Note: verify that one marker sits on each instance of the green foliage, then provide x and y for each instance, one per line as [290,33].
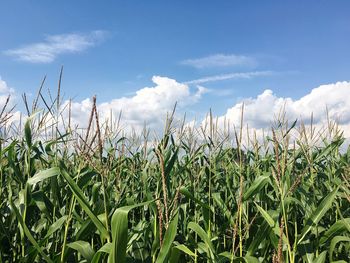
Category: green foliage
[184,199]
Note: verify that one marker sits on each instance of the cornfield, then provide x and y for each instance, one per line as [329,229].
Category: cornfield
[190,195]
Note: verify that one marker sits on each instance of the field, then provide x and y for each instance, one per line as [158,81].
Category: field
[189,195]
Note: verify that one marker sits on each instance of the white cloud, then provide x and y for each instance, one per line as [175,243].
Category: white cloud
[242,75]
[5,91]
[8,115]
[149,105]
[221,60]
[259,112]
[4,88]
[55,45]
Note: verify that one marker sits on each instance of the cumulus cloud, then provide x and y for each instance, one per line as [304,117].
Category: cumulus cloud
[259,112]
[8,115]
[149,105]
[242,75]
[5,91]
[221,60]
[55,45]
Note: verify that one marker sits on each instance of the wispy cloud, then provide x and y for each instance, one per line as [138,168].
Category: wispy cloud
[55,45]
[221,60]
[242,75]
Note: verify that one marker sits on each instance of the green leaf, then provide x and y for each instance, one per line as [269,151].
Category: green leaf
[250,259]
[120,233]
[28,132]
[306,250]
[258,184]
[234,259]
[42,175]
[328,149]
[203,235]
[337,228]
[44,204]
[321,257]
[217,198]
[316,216]
[84,248]
[185,250]
[185,192]
[168,240]
[334,242]
[27,232]
[106,248]
[174,255]
[259,237]
[27,129]
[266,216]
[170,163]
[79,195]
[55,226]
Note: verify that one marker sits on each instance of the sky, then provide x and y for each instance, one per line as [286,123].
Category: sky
[143,56]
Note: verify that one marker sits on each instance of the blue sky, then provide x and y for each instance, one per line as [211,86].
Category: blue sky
[289,47]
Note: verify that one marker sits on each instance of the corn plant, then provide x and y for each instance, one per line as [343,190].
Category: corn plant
[193,195]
